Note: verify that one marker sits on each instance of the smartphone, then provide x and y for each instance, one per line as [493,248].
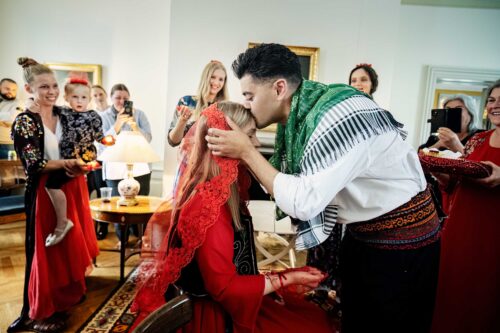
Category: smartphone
[128,105]
[450,118]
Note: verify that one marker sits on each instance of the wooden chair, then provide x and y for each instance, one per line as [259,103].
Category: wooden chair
[169,317]
[262,212]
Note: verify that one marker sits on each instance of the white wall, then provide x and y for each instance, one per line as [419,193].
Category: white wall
[438,36]
[347,33]
[159,48]
[130,39]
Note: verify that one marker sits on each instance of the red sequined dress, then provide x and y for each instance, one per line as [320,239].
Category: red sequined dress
[468,295]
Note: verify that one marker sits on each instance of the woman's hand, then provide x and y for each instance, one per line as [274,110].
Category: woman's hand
[494,179]
[449,140]
[32,105]
[120,120]
[133,125]
[184,113]
[74,167]
[310,277]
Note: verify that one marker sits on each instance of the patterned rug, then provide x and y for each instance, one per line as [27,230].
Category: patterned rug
[114,314]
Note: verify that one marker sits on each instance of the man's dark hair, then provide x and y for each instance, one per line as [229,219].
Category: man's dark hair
[267,62]
[7,80]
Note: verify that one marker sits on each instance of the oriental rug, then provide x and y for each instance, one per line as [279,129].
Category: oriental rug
[114,314]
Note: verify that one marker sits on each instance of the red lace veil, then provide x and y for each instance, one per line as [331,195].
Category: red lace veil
[164,259]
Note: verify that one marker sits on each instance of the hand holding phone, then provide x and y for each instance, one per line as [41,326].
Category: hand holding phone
[128,108]
[449,118]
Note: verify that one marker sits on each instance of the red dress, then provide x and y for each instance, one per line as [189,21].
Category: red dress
[468,295]
[57,279]
[241,296]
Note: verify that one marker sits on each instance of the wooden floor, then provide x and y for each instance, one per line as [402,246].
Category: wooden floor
[100,283]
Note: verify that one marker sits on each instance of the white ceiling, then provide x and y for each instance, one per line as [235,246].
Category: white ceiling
[492,4]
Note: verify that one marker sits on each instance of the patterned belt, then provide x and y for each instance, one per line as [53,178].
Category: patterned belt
[410,226]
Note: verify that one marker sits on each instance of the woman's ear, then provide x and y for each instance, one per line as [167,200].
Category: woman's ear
[28,89]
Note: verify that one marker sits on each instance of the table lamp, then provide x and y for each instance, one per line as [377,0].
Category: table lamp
[130,147]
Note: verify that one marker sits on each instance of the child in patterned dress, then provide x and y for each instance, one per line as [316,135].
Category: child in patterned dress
[83,128]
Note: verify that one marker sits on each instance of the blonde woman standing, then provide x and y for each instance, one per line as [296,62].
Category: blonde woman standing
[212,88]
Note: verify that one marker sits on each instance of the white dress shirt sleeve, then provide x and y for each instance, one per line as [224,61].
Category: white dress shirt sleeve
[305,196]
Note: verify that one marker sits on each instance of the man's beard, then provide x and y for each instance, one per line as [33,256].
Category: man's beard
[7,98]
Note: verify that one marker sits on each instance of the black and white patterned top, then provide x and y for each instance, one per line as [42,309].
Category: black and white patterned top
[80,131]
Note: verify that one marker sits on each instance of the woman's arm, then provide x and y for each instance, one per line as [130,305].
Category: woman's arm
[27,136]
[494,179]
[181,118]
[73,167]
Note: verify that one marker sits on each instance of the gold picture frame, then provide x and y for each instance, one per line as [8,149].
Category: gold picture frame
[91,72]
[441,94]
[308,58]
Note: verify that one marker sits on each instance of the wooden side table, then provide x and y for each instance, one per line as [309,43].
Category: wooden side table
[111,212]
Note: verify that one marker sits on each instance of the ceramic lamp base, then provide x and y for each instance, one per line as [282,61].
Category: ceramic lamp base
[128,189]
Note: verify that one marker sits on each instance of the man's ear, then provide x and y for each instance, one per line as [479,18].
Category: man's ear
[28,89]
[281,88]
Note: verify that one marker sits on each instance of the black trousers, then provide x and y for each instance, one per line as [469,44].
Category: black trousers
[387,290]
[95,182]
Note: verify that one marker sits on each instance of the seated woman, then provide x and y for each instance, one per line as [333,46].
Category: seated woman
[209,250]
[468,289]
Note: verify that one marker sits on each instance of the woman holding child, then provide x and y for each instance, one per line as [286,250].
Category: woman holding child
[55,275]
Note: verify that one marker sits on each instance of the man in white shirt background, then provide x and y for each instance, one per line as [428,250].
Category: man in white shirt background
[343,161]
[9,109]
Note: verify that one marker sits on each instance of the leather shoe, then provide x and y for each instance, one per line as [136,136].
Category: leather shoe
[102,233]
[21,324]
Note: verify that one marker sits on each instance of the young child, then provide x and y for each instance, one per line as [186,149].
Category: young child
[82,129]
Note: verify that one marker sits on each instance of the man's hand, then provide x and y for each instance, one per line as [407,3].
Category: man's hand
[310,278]
[232,144]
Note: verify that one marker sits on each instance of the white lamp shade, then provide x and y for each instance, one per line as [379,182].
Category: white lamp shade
[130,147]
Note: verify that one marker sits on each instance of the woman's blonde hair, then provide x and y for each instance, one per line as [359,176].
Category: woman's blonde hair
[202,167]
[204,87]
[31,68]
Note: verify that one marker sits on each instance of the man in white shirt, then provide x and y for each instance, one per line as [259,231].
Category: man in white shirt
[343,161]
[9,109]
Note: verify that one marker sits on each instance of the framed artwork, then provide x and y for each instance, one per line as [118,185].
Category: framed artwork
[440,95]
[62,71]
[308,58]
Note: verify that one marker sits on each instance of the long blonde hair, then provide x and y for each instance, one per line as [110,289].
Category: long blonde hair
[204,87]
[202,167]
[31,68]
